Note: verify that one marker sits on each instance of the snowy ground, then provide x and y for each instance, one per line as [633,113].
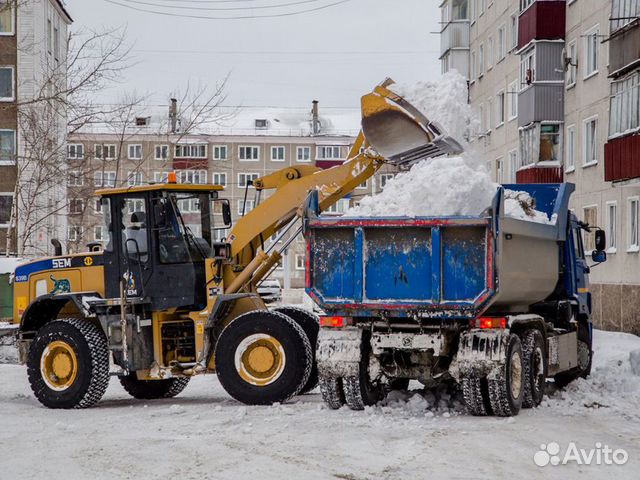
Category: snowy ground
[205,434]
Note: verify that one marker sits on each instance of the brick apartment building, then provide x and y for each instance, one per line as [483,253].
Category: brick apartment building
[556,85]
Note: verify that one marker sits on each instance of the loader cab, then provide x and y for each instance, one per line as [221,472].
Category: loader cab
[159,238]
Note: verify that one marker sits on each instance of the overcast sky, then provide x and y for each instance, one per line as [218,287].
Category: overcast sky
[333,55]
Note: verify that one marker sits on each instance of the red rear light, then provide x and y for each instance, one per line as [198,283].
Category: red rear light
[491,322]
[335,321]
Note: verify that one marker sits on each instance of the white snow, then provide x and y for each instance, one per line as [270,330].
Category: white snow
[203,433]
[9,264]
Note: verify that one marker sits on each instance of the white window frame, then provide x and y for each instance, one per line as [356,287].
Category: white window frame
[481,60]
[384,178]
[276,149]
[75,202]
[221,175]
[241,203]
[527,62]
[76,147]
[77,176]
[248,176]
[105,146]
[10,161]
[500,108]
[364,185]
[198,176]
[612,225]
[303,149]
[132,148]
[242,151]
[586,162]
[571,149]
[512,100]
[489,52]
[97,205]
[7,194]
[135,178]
[162,149]
[591,35]
[513,165]
[13,84]
[502,42]
[160,177]
[13,23]
[333,156]
[474,67]
[218,149]
[192,150]
[299,262]
[78,233]
[572,68]
[633,245]
[513,32]
[101,237]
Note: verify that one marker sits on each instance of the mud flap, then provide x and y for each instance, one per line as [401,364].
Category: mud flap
[338,352]
[481,353]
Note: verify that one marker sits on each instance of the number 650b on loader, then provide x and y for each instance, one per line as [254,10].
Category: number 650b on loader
[164,301]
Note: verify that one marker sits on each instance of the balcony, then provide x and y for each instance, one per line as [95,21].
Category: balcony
[624,48]
[543,20]
[454,35]
[540,174]
[621,158]
[541,102]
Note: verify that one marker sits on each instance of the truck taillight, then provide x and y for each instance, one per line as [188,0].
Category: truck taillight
[335,321]
[491,322]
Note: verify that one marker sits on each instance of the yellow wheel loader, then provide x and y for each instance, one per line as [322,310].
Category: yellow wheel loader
[164,301]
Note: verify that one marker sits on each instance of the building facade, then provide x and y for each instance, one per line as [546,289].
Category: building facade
[570,73]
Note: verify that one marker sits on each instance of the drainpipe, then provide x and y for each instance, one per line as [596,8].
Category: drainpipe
[173,115]
[315,122]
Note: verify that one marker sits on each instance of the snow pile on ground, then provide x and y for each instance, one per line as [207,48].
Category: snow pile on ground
[441,401]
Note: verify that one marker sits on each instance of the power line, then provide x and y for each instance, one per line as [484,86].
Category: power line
[259,7]
[242,17]
[283,52]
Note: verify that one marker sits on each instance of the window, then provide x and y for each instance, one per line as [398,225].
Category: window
[384,178]
[134,178]
[98,233]
[245,179]
[489,111]
[502,42]
[483,127]
[527,67]
[524,4]
[540,143]
[500,170]
[220,152]
[6,202]
[590,214]
[339,207]
[513,165]
[49,36]
[105,152]
[612,214]
[591,40]
[142,121]
[7,93]
[194,177]
[481,61]
[245,207]
[572,66]
[590,156]
[513,99]
[135,152]
[97,206]
[135,205]
[571,149]
[299,262]
[161,152]
[513,31]
[219,179]
[75,179]
[490,48]
[481,6]
[191,151]
[277,154]
[364,185]
[624,111]
[249,153]
[303,154]
[56,43]
[500,109]
[328,152]
[261,123]
[105,179]
[7,147]
[75,151]
[474,67]
[76,206]
[160,177]
[623,13]
[550,143]
[74,233]
[633,237]
[6,18]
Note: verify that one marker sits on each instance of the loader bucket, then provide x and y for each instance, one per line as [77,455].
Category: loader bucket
[400,132]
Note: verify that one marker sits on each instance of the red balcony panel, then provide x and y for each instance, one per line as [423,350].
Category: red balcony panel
[324,164]
[190,164]
[540,175]
[622,158]
[543,20]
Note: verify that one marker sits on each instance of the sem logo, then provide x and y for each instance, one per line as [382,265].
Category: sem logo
[600,455]
[61,263]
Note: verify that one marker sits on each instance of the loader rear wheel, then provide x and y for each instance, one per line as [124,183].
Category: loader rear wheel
[68,364]
[534,368]
[359,390]
[153,389]
[332,392]
[263,357]
[475,392]
[506,389]
[310,323]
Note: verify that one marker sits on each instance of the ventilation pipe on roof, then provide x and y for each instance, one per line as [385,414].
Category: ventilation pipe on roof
[173,115]
[315,120]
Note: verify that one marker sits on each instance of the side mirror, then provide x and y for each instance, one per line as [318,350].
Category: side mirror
[222,207]
[600,240]
[599,256]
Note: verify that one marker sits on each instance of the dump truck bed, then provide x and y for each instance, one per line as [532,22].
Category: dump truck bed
[448,267]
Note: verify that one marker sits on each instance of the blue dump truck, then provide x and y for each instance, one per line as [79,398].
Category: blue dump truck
[493,305]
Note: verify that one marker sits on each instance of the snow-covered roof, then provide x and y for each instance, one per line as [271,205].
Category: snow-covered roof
[9,264]
[244,121]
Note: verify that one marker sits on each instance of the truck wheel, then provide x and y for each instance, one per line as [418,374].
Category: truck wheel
[153,389]
[310,323]
[68,364]
[263,357]
[476,395]
[507,389]
[332,392]
[534,363]
[359,390]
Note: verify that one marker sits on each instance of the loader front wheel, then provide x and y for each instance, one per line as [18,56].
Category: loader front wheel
[310,323]
[68,364]
[263,357]
[153,389]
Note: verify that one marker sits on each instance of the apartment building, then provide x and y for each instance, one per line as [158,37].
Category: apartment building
[252,143]
[572,70]
[33,50]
